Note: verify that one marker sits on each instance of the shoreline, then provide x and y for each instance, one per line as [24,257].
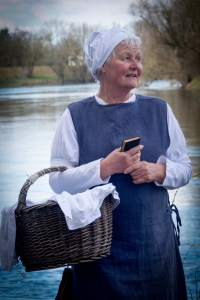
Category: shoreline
[35,82]
[194,85]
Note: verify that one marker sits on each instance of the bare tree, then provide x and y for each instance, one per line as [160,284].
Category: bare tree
[159,60]
[64,50]
[58,46]
[176,24]
[78,34]
[27,50]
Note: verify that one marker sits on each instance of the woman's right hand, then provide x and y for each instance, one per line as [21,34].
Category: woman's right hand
[118,162]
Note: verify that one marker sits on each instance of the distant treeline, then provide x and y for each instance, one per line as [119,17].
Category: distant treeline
[58,45]
[169,29]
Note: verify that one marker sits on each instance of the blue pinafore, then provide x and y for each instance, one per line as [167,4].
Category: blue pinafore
[145,262]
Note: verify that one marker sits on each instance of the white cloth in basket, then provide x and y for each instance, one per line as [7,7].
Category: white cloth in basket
[79,210]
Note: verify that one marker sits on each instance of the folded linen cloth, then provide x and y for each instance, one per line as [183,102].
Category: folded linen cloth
[80,210]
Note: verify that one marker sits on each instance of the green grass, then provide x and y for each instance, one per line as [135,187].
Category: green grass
[14,77]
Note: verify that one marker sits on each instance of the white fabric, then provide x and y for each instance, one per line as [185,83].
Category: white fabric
[79,210]
[82,209]
[7,238]
[99,45]
[65,151]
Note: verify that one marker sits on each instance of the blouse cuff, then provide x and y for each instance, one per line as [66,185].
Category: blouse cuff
[163,160]
[177,174]
[99,164]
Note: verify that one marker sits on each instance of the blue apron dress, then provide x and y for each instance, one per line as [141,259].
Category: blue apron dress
[145,262]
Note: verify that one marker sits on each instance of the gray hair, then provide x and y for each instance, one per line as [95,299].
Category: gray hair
[128,41]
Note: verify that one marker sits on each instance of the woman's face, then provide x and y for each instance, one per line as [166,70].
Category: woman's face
[124,68]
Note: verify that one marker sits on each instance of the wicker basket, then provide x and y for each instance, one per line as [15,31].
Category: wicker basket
[43,240]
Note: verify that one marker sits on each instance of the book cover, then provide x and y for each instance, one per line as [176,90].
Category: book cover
[130,143]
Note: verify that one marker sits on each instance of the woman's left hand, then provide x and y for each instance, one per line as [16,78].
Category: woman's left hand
[143,171]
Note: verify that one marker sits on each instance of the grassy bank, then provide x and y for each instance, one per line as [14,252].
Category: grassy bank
[194,85]
[42,75]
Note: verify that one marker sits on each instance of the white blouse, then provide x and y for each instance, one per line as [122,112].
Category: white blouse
[65,152]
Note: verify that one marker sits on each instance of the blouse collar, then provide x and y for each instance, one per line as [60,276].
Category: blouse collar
[102,102]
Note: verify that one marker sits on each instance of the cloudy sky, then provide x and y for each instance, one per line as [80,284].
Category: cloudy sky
[31,14]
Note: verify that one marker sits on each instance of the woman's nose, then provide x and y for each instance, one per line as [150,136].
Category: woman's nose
[134,64]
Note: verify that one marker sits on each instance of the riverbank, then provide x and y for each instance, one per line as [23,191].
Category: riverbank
[12,77]
[194,85]
[44,75]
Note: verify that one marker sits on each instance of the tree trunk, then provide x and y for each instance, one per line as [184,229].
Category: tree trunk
[30,70]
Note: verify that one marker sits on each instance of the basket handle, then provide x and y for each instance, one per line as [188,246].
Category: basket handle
[30,181]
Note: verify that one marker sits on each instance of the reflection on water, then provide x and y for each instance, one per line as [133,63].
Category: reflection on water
[28,118]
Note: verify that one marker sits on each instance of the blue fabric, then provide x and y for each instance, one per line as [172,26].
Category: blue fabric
[145,261]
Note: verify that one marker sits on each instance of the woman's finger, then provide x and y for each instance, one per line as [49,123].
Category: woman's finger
[134,150]
[135,166]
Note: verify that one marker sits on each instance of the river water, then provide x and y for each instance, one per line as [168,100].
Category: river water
[28,120]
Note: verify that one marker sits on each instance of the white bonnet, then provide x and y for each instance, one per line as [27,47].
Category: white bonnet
[99,45]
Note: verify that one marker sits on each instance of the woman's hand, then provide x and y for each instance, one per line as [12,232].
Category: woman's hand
[143,171]
[118,162]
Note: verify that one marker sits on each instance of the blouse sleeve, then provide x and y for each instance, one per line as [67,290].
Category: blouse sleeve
[178,168]
[65,152]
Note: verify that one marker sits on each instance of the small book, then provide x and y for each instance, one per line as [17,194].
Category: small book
[130,143]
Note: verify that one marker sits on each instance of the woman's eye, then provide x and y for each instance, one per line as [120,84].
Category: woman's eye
[127,57]
[138,59]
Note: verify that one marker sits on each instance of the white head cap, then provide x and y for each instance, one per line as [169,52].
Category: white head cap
[99,45]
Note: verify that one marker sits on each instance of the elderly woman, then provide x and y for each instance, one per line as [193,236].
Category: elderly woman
[145,261]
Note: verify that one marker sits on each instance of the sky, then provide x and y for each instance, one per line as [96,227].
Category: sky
[30,15]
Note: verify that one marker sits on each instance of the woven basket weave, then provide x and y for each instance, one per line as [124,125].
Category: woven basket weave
[43,240]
